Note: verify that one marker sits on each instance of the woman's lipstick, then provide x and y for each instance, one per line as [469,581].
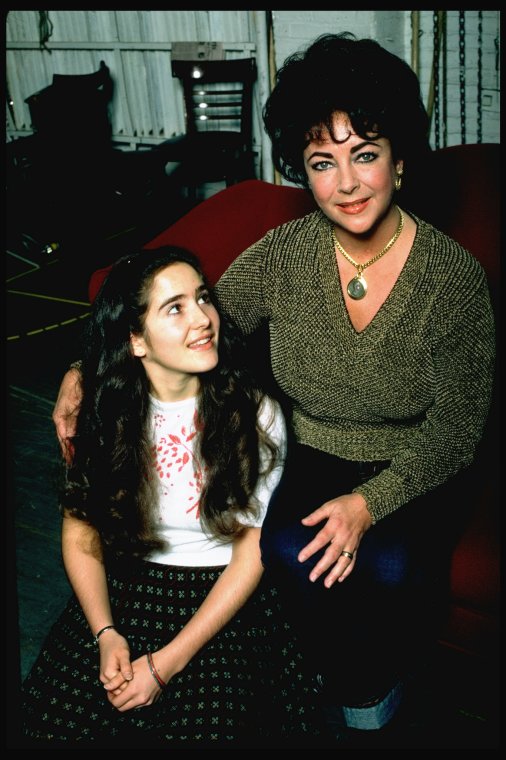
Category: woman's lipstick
[353,208]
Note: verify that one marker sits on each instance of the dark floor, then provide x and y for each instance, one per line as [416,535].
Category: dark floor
[453,705]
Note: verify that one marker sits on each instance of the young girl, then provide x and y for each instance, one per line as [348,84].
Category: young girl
[169,638]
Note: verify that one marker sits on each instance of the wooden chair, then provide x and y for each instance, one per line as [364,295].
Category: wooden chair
[218,141]
[74,110]
[69,185]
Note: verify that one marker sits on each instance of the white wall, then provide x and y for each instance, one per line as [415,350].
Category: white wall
[294,29]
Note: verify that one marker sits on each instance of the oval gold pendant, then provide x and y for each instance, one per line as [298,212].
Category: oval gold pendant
[357,288]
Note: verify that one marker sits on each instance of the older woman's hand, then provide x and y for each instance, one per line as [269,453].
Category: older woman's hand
[347,519]
[65,411]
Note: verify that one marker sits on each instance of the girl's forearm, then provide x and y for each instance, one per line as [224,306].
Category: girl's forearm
[232,589]
[83,563]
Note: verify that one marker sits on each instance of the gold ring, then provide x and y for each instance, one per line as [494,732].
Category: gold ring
[347,554]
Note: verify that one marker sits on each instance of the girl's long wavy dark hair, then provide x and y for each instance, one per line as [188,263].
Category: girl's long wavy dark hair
[111,483]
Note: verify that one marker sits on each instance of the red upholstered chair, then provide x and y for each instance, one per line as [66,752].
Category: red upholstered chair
[218,229]
[461,197]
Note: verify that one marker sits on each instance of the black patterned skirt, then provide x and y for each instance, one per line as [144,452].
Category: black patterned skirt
[246,687]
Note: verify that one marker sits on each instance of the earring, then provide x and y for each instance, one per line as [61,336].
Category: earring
[398,180]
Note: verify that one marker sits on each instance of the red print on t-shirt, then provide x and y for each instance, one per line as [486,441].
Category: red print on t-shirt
[173,455]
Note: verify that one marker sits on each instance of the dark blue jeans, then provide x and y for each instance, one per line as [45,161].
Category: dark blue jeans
[376,627]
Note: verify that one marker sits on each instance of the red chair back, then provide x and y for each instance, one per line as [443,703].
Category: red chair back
[225,224]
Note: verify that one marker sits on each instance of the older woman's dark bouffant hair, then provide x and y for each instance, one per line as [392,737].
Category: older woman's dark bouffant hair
[108,483]
[379,92]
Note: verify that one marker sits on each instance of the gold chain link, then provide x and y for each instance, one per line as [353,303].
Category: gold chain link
[360,267]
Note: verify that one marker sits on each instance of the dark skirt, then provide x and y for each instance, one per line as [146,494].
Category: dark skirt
[246,687]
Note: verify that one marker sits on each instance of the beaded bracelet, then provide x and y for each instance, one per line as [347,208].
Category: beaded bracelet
[159,680]
[103,630]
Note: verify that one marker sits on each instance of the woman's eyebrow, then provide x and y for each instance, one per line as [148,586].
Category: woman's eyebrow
[171,299]
[363,145]
[181,296]
[323,154]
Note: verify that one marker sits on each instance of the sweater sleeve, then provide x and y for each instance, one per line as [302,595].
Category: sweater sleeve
[463,354]
[240,289]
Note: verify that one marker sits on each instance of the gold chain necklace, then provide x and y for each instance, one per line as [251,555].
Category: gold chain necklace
[357,287]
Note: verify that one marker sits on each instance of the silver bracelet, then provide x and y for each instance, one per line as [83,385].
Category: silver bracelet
[103,630]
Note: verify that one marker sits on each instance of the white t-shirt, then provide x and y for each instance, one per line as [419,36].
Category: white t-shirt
[181,474]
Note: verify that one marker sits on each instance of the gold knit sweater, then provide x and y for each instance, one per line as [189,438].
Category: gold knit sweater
[413,387]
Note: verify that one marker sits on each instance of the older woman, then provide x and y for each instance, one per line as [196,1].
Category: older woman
[382,342]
